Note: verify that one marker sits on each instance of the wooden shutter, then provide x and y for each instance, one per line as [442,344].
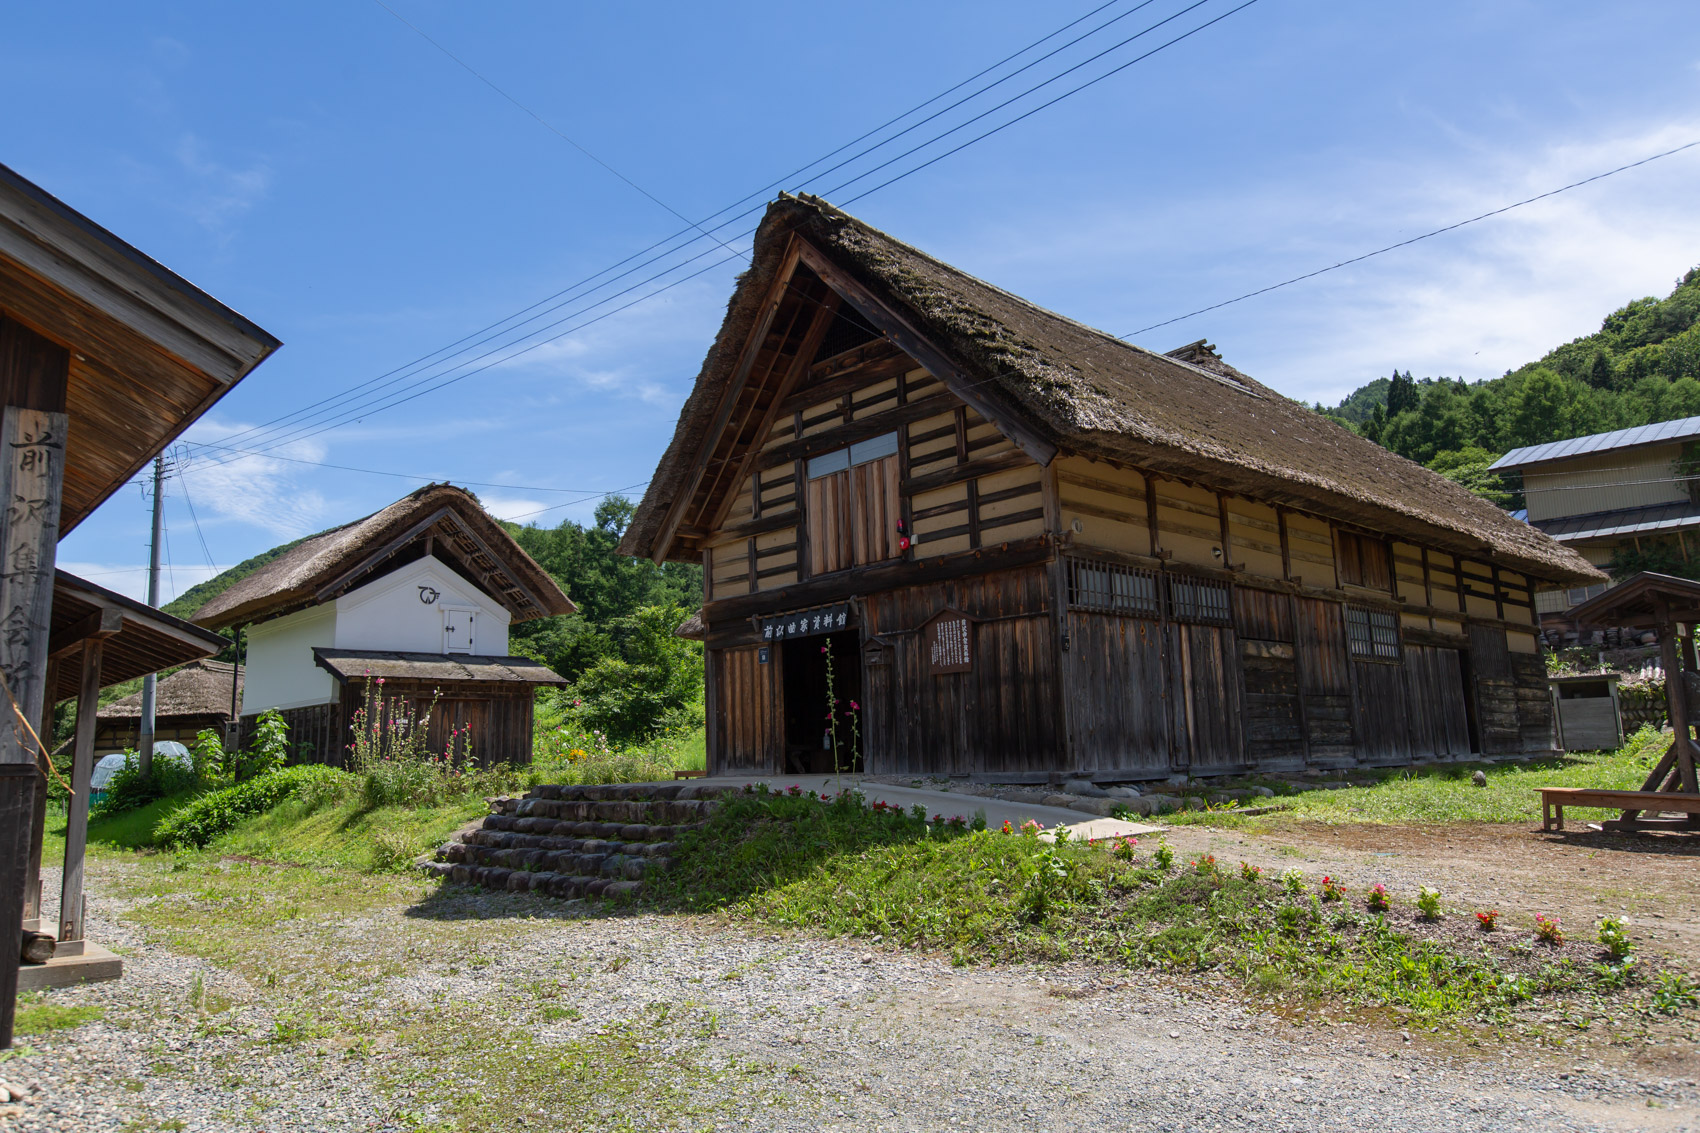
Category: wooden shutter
[1363,561]
[829,523]
[875,511]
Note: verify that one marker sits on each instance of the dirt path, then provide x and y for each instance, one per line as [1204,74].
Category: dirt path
[1579,875]
[472,1010]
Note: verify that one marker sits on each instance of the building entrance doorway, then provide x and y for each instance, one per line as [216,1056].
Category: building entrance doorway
[819,711]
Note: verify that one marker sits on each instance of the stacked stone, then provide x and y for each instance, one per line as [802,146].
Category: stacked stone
[577,841]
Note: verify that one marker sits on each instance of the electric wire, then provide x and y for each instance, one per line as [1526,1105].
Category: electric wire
[758,194]
[324,408]
[422,387]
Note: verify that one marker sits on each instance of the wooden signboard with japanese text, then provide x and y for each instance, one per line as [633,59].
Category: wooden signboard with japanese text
[950,643]
[806,623]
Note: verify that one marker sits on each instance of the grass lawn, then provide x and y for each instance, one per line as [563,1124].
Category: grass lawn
[348,833]
[1446,794]
[841,869]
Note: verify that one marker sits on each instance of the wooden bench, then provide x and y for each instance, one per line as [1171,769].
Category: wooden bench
[1555,799]
[689,774]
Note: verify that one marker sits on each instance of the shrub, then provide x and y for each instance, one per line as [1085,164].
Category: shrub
[216,812]
[1293,880]
[129,788]
[1614,936]
[1547,931]
[1376,900]
[654,682]
[271,745]
[212,766]
[1428,900]
[1163,856]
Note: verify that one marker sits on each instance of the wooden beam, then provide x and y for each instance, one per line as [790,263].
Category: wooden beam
[101,623]
[77,807]
[882,576]
[728,399]
[901,331]
[831,440]
[799,368]
[1286,545]
[985,466]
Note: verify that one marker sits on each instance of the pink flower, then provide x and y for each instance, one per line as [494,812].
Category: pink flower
[854,707]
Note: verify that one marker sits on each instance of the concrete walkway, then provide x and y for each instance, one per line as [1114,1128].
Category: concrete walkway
[949,803]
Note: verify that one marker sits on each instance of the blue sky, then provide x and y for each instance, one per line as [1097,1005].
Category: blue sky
[331,174]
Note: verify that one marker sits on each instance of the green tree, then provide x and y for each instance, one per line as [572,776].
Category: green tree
[652,681]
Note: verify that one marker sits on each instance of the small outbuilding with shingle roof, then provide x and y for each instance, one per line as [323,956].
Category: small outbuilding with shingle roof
[948,531]
[198,696]
[430,584]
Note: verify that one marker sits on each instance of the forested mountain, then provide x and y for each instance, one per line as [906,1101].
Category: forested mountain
[1642,365]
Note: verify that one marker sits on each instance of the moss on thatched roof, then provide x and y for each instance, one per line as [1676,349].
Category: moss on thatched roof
[200,688]
[1190,416]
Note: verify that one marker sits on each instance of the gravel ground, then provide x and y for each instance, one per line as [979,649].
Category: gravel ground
[726,1028]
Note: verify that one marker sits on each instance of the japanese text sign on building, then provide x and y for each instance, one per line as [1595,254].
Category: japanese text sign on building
[805,623]
[950,642]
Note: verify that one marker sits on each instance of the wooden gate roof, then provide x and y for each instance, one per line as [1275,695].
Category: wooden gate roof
[147,641]
[464,535]
[1052,383]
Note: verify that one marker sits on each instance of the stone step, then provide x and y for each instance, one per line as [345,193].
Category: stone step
[651,812]
[521,881]
[586,828]
[614,864]
[577,841]
[504,840]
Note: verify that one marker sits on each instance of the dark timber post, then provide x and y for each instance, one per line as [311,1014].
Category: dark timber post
[32,470]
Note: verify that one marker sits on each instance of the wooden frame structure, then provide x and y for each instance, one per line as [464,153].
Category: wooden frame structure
[1663,604]
[105,358]
[1164,567]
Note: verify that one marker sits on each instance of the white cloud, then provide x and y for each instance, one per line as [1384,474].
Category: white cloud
[518,509]
[222,193]
[260,490]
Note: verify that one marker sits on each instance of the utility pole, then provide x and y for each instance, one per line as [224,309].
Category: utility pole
[144,743]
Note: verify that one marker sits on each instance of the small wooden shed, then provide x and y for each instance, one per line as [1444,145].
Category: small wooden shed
[196,697]
[1586,712]
[421,594]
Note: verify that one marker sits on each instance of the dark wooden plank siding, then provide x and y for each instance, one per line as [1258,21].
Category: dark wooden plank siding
[1113,679]
[1002,716]
[749,721]
[1274,733]
[1434,696]
[1325,679]
[1534,702]
[1381,720]
[1204,698]
[1496,691]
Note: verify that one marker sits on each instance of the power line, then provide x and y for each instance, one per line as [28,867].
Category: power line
[444,379]
[379,472]
[1414,239]
[324,406]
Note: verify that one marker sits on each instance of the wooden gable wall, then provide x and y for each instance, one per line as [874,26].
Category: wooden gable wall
[957,483]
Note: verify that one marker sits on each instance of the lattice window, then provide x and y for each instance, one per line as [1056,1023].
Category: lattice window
[1112,588]
[1371,634]
[1202,600]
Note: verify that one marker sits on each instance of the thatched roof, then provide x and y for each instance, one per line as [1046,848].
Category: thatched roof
[1093,394]
[465,535]
[200,688]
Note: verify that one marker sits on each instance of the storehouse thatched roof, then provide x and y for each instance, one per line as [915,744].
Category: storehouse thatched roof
[1088,392]
[464,536]
[200,688]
